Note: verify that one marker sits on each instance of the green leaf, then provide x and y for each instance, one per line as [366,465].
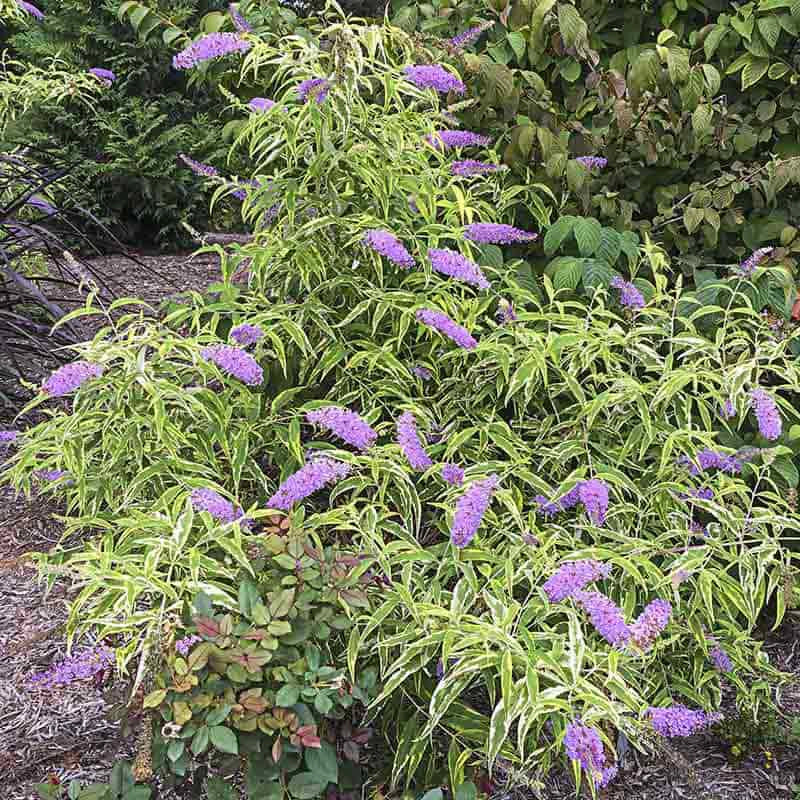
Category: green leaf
[306,785]
[466,791]
[572,28]
[692,217]
[433,794]
[323,763]
[557,233]
[518,44]
[587,234]
[139,793]
[712,41]
[224,739]
[498,732]
[596,274]
[702,118]
[785,467]
[287,696]
[220,789]
[570,69]
[753,71]
[610,246]
[121,777]
[248,596]
[200,740]
[770,29]
[566,273]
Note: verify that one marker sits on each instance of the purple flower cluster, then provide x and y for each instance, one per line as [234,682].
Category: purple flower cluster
[594,496]
[442,323]
[210,46]
[650,623]
[313,88]
[497,233]
[727,409]
[748,266]
[239,22]
[721,659]
[583,744]
[68,378]
[41,205]
[454,265]
[204,170]
[316,474]
[454,138]
[434,76]
[106,76]
[572,576]
[767,414]
[711,459]
[470,508]
[678,720]
[423,373]
[345,424]
[410,443]
[388,245]
[506,313]
[453,474]
[234,361]
[31,9]
[215,504]
[79,667]
[605,615]
[630,296]
[261,104]
[183,646]
[472,167]
[246,334]
[8,437]
[592,162]
[470,35]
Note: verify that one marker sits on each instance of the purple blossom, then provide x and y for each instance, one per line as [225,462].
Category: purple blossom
[106,76]
[606,776]
[583,744]
[472,167]
[442,323]
[470,508]
[183,646]
[605,616]
[728,409]
[698,528]
[312,477]
[79,667]
[650,623]
[434,76]
[592,162]
[767,414]
[711,459]
[506,313]
[630,296]
[594,496]
[721,659]
[261,104]
[454,138]
[497,233]
[680,576]
[234,361]
[410,443]
[8,437]
[316,88]
[41,205]
[246,334]
[345,424]
[453,474]
[677,720]
[423,373]
[748,266]
[31,9]
[205,170]
[239,22]
[210,46]
[453,264]
[388,245]
[470,35]
[50,475]
[572,576]
[68,378]
[548,507]
[215,504]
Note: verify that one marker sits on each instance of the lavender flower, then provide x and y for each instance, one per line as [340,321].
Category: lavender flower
[410,443]
[605,616]
[710,459]
[453,138]
[183,646]
[8,437]
[310,478]
[572,576]
[592,162]
[31,9]
[106,76]
[472,167]
[680,576]
[41,205]
[345,424]
[721,659]
[630,296]
[678,720]
[442,323]
[505,313]
[650,623]
[313,88]
[453,264]
[215,504]
[51,475]
[748,266]
[470,508]
[79,667]
[496,233]
[594,496]
[434,76]
[470,35]
[205,170]
[261,104]
[453,474]
[423,373]
[246,334]
[68,378]
[239,22]
[548,507]
[234,361]
[388,245]
[210,46]
[767,414]
[728,409]
[583,744]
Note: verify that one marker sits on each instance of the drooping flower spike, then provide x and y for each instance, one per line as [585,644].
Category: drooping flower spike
[31,9]
[389,246]
[234,361]
[457,266]
[592,162]
[68,378]
[678,720]
[767,414]
[470,508]
[630,296]
[443,139]
[209,47]
[246,334]
[345,424]
[439,321]
[410,442]
[105,76]
[312,477]
[497,233]
[217,506]
[434,76]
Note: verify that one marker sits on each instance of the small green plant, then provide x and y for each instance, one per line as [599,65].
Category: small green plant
[121,786]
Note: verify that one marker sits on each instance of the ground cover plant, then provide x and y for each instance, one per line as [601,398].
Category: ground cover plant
[407,466]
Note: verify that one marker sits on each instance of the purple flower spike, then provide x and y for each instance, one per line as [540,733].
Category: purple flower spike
[767,414]
[68,378]
[727,409]
[434,76]
[748,266]
[721,659]
[442,323]
[573,576]
[308,479]
[470,35]
[8,437]
[678,720]
[183,646]
[453,474]
[234,361]
[470,508]
[215,504]
[239,22]
[51,475]
[472,167]
[345,424]
[106,76]
[313,89]
[423,373]
[389,246]
[76,668]
[496,233]
[246,334]
[592,162]
[209,47]
[630,296]
[261,104]
[650,623]
[441,140]
[204,170]
[41,205]
[594,496]
[605,616]
[454,265]
[506,313]
[31,9]
[410,443]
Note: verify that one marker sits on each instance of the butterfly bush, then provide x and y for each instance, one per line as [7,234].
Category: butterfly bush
[50,475]
[316,474]
[106,76]
[260,104]
[423,373]
[630,296]
[452,330]
[31,9]
[454,138]
[594,496]
[470,35]
[41,205]
[678,720]
[457,266]
[410,443]
[388,245]
[210,47]
[592,162]
[434,76]
[217,506]
[453,474]
[767,414]
[235,362]
[74,669]
[605,615]
[573,576]
[727,409]
[246,334]
[470,508]
[239,22]
[496,233]
[650,624]
[70,377]
[721,659]
[313,89]
[506,313]
[183,646]
[204,170]
[345,424]
[748,266]
[8,437]
[583,744]
[707,459]
[472,167]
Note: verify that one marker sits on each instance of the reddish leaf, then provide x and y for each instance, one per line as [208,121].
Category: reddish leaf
[796,310]
[277,749]
[206,626]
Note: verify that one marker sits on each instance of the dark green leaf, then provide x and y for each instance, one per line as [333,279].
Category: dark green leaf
[224,739]
[322,762]
[306,785]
